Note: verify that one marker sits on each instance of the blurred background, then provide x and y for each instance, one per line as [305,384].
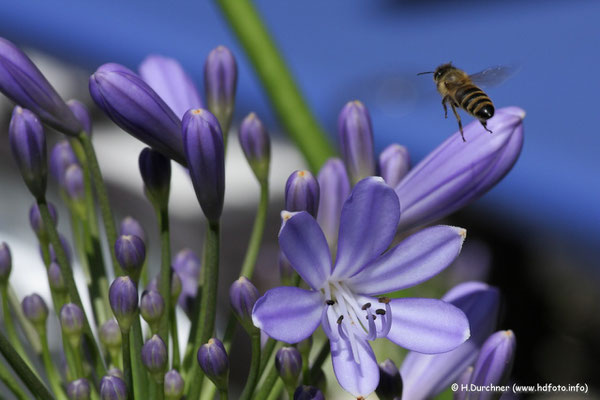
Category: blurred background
[539,229]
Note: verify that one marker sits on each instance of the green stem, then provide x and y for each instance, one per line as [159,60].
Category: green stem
[257,232]
[140,377]
[70,283]
[126,354]
[223,394]
[160,390]
[290,393]
[276,390]
[53,377]
[175,338]
[318,363]
[267,384]
[208,304]
[27,376]
[277,80]
[254,367]
[266,354]
[8,380]
[164,281]
[10,326]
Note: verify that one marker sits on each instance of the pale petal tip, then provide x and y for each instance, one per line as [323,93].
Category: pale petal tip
[285,215]
[467,334]
[462,232]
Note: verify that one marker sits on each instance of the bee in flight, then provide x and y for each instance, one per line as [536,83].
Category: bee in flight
[460,90]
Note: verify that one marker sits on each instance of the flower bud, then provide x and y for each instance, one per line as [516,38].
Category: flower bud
[123,298]
[495,361]
[112,388]
[394,163]
[23,83]
[155,357]
[115,372]
[36,222]
[61,157]
[65,246]
[308,393]
[187,265]
[220,81]
[176,286]
[110,334]
[152,308]
[288,362]
[73,183]
[213,360]
[82,113]
[356,140]
[131,253]
[242,296]
[169,80]
[130,226]
[5,263]
[79,389]
[137,109]
[36,310]
[457,173]
[204,151]
[71,321]
[334,186]
[174,385]
[156,174]
[302,193]
[55,278]
[28,145]
[390,381]
[256,145]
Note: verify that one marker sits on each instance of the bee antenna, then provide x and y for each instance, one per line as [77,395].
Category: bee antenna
[428,72]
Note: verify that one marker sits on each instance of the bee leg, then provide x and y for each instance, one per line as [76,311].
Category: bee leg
[444,100]
[484,123]
[459,122]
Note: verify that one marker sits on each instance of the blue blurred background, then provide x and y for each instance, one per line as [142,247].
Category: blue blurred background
[371,50]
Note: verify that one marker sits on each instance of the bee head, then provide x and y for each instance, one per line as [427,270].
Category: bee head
[441,71]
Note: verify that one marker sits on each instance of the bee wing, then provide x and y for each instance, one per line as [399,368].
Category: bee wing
[493,76]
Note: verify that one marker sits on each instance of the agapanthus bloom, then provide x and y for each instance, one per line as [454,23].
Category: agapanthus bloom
[342,298]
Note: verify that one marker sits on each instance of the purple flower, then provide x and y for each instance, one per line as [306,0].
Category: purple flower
[457,172]
[61,157]
[82,114]
[112,388]
[356,140]
[205,154]
[137,109]
[55,278]
[156,174]
[425,375]
[341,296]
[187,265]
[5,263]
[308,393]
[220,82]
[79,389]
[152,307]
[242,296]
[110,334]
[256,145]
[22,82]
[66,248]
[213,360]
[35,220]
[334,187]
[130,251]
[302,193]
[35,309]
[394,163]
[28,145]
[155,357]
[288,362]
[169,80]
[71,320]
[131,226]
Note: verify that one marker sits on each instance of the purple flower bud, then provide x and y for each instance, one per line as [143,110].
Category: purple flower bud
[288,362]
[28,145]
[390,381]
[65,246]
[130,226]
[356,140]
[242,296]
[457,172]
[334,187]
[169,80]
[112,388]
[22,82]
[155,357]
[35,220]
[256,145]
[204,151]
[61,157]
[213,360]
[152,308]
[220,81]
[131,253]
[286,271]
[79,389]
[495,361]
[82,113]
[115,372]
[394,163]
[55,278]
[156,174]
[302,193]
[174,385]
[187,265]
[308,393]
[137,109]
[73,182]
[35,309]
[5,263]
[71,320]
[123,298]
[110,334]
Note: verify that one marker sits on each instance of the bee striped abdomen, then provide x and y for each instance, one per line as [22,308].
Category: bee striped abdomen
[475,102]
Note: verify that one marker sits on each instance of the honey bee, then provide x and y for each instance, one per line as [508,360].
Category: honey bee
[460,90]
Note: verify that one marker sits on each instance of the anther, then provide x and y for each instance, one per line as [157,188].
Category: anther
[365,306]
[374,317]
[380,311]
[339,320]
[384,300]
[329,302]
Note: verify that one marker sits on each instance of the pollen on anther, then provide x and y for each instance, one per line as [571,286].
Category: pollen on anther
[374,317]
[384,300]
[329,302]
[365,306]
[339,320]
[380,311]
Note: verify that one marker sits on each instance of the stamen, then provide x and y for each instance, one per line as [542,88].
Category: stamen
[384,300]
[387,324]
[380,311]
[329,302]
[340,319]
[365,306]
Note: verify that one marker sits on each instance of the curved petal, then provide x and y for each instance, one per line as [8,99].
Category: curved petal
[288,314]
[427,325]
[357,379]
[303,243]
[367,225]
[416,259]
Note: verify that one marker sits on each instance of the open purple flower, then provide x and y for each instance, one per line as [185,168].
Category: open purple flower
[342,295]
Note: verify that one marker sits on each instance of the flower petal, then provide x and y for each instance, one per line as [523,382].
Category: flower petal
[288,314]
[367,225]
[357,379]
[427,325]
[303,243]
[415,260]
